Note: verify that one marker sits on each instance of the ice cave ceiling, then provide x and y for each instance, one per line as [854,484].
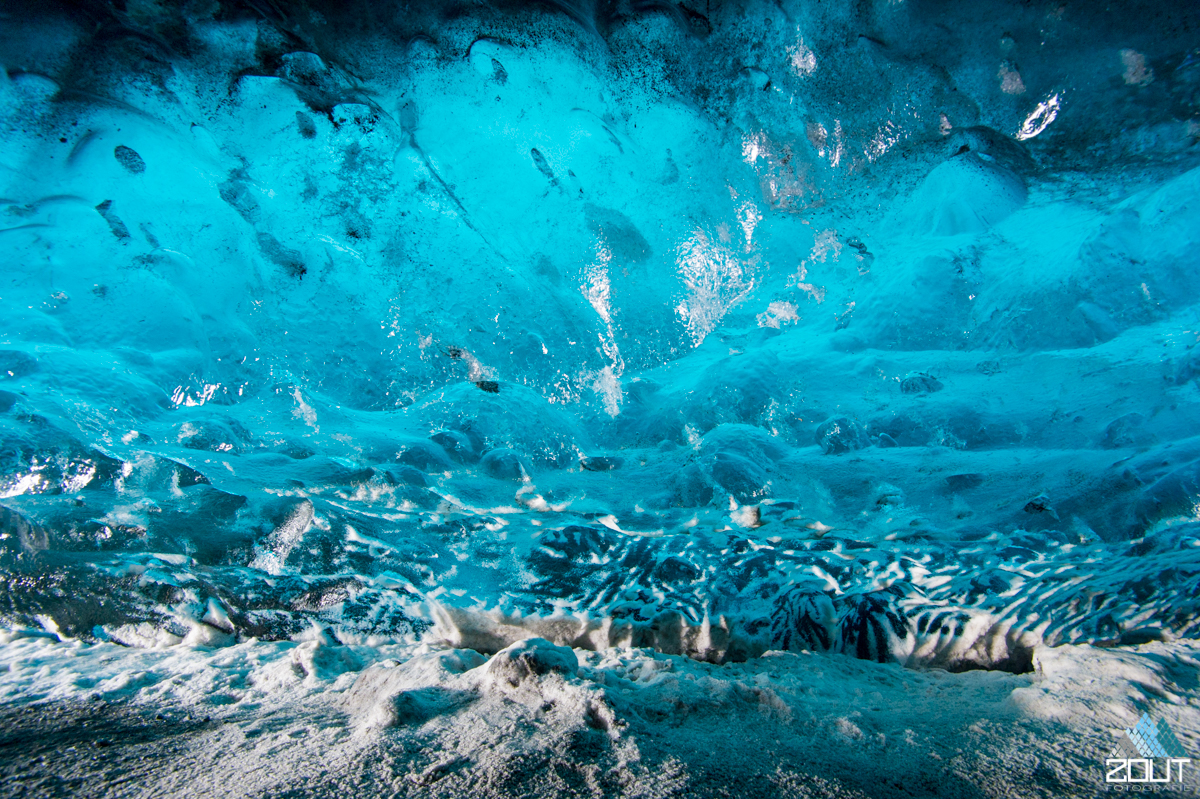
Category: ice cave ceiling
[711,327]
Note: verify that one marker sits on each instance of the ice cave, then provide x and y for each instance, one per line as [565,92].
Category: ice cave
[659,399]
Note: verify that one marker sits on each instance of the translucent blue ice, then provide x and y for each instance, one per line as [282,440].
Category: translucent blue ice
[709,330]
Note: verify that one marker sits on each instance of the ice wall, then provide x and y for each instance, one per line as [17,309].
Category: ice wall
[712,328]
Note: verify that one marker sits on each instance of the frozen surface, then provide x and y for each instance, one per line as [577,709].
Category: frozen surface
[320,719]
[749,342]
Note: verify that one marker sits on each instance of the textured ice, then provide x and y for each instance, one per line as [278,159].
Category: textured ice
[417,370]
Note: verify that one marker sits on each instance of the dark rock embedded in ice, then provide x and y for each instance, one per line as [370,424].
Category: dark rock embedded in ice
[600,463]
[920,383]
[118,227]
[238,193]
[290,259]
[305,125]
[841,434]
[1041,505]
[129,158]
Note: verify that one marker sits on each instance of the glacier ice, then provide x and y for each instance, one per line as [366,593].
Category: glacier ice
[482,356]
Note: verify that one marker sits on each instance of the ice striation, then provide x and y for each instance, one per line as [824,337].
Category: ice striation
[470,364]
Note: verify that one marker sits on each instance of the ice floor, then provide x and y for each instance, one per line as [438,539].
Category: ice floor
[600,399]
[316,718]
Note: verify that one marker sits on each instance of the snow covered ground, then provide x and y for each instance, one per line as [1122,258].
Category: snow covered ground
[322,719]
[816,386]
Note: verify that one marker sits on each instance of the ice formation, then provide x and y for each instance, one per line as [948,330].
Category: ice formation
[533,386]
